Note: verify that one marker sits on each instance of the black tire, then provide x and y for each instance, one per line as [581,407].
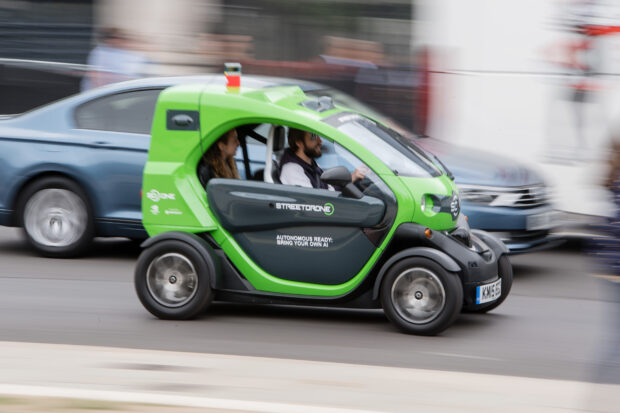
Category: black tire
[437,293]
[505,273]
[157,288]
[56,216]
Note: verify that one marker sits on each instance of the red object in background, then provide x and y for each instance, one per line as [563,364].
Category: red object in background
[422,92]
[597,30]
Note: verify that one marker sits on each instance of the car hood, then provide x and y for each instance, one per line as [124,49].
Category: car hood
[475,167]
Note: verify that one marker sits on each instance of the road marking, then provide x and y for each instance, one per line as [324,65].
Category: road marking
[266,384]
[168,399]
[464,356]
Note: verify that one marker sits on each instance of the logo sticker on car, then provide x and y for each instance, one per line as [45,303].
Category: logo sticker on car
[454,206]
[328,208]
[155,196]
[173,211]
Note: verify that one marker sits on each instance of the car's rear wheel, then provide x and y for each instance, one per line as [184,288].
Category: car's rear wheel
[421,297]
[172,280]
[56,217]
[505,273]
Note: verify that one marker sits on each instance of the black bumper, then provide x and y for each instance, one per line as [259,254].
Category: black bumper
[475,253]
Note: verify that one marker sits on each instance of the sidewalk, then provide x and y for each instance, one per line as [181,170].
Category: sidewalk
[42,377]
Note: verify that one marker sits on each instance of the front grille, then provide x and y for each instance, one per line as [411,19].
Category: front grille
[512,197]
[530,197]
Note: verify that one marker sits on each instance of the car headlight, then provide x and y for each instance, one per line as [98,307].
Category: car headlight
[432,204]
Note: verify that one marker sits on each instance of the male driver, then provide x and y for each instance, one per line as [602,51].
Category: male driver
[298,161]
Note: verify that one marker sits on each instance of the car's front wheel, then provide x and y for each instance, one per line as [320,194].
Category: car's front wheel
[421,297]
[172,280]
[56,217]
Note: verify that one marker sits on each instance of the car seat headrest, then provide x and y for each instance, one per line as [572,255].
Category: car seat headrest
[279,137]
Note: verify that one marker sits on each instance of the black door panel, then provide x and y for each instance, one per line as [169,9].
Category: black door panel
[319,254]
[242,206]
[297,234]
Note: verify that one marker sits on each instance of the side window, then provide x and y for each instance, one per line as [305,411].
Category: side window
[122,112]
[334,154]
[256,156]
[246,148]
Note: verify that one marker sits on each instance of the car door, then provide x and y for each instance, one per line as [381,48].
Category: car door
[117,127]
[301,234]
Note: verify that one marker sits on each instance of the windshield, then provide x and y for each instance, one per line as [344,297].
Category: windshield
[397,152]
[350,102]
[347,101]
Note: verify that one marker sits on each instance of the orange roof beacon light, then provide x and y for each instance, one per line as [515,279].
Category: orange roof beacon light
[233,74]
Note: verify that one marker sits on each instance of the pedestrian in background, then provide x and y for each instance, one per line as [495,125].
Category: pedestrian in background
[606,253]
[113,60]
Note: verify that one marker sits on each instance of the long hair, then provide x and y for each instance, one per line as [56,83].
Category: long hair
[222,168]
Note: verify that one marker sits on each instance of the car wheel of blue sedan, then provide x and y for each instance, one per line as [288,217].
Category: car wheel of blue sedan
[56,217]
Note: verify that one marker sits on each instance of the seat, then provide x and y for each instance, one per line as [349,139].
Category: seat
[275,144]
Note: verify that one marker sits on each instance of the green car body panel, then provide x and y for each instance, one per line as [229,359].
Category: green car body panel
[175,200]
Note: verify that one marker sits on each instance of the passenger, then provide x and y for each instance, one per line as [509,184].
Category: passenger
[298,165]
[219,160]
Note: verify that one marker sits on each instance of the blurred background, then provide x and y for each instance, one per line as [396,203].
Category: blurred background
[533,80]
[335,42]
[537,80]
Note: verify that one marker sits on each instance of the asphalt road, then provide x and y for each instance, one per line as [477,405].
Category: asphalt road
[557,323]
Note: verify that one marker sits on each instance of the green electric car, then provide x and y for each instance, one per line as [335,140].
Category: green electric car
[394,240]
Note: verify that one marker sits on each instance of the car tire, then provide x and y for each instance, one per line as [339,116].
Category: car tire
[420,297]
[505,273]
[57,217]
[172,280]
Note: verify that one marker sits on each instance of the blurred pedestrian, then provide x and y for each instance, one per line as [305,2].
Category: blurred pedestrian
[608,246]
[581,54]
[606,252]
[113,60]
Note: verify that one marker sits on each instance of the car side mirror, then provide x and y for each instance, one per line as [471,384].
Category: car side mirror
[340,177]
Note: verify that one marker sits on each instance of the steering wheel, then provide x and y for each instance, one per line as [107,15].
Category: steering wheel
[364,185]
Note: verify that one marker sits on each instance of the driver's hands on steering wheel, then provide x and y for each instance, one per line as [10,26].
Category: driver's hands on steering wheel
[359,173]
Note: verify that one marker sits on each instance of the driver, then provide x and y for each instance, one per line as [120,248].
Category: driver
[298,162]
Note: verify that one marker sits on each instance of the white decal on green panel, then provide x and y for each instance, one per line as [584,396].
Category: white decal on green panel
[173,211]
[327,208]
[155,196]
[307,241]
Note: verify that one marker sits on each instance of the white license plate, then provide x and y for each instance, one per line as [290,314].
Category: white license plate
[539,221]
[488,292]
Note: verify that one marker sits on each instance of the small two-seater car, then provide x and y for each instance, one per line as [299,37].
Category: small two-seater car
[396,240]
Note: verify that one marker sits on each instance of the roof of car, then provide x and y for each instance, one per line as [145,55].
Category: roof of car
[253,81]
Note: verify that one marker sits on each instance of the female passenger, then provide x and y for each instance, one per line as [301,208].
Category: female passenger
[219,161]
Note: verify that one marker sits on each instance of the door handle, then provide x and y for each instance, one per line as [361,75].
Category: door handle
[182,120]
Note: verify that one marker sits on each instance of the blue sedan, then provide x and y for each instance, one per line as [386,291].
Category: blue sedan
[72,170]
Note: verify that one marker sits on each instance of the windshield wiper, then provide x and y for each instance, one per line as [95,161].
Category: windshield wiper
[444,167]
